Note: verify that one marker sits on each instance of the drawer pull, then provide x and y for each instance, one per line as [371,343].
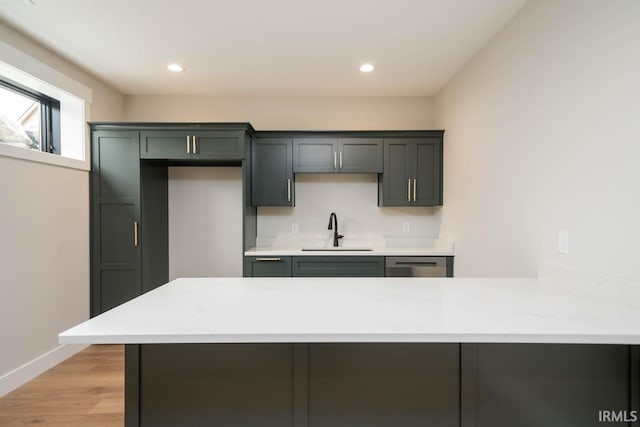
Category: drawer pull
[268,259]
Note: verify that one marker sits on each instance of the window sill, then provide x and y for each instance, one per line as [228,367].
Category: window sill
[42,157]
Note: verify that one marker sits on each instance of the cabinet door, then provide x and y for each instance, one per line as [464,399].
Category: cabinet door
[267,266]
[218,145]
[396,181]
[360,155]
[272,173]
[337,266]
[428,173]
[115,211]
[315,155]
[169,144]
[545,384]
[384,385]
[219,385]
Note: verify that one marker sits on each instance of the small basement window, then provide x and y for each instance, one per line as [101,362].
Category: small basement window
[43,112]
[29,119]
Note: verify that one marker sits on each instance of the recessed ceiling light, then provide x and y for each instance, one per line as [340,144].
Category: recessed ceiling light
[176,68]
[367,68]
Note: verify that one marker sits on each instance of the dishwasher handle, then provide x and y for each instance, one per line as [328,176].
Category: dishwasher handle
[416,267]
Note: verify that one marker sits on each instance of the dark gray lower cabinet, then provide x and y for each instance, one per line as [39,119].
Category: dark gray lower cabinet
[337,266]
[379,385]
[292,385]
[278,266]
[230,385]
[505,385]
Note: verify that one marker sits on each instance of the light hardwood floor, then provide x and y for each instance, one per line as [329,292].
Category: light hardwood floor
[84,390]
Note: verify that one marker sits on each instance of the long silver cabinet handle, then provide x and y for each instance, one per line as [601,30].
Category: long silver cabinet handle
[341,160]
[135,234]
[288,189]
[195,144]
[415,186]
[188,144]
[268,259]
[409,190]
[335,160]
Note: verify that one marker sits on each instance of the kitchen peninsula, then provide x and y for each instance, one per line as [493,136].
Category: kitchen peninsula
[374,351]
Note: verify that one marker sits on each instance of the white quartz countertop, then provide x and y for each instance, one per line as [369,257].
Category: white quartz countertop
[371,244]
[341,251]
[261,310]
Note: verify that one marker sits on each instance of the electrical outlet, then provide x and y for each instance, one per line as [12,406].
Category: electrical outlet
[294,227]
[406,227]
[563,242]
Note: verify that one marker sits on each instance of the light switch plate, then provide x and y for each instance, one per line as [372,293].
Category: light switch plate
[563,242]
[294,227]
[406,227]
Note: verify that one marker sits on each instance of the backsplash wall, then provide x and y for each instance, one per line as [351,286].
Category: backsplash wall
[354,198]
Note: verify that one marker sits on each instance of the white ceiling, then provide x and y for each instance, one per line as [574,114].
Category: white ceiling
[265,47]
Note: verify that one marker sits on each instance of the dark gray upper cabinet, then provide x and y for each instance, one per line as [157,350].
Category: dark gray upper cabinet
[342,155]
[315,155]
[271,172]
[412,172]
[192,144]
[360,155]
[115,219]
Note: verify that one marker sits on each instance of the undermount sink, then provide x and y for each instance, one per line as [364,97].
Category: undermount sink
[339,248]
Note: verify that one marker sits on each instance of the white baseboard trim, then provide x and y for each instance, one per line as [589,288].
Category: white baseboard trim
[25,373]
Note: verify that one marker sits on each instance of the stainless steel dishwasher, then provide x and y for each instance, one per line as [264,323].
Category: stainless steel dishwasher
[415,266]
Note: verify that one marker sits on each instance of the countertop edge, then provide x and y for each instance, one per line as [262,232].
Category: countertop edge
[347,252]
[461,338]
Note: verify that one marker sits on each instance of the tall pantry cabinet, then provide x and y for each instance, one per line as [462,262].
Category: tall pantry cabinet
[129,201]
[122,268]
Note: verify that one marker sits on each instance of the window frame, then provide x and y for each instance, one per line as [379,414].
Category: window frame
[49,115]
[75,99]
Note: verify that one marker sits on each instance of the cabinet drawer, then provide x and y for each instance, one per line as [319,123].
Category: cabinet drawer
[277,266]
[337,266]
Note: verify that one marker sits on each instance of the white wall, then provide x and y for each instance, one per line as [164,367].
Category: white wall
[288,113]
[205,222]
[353,197]
[44,242]
[541,136]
